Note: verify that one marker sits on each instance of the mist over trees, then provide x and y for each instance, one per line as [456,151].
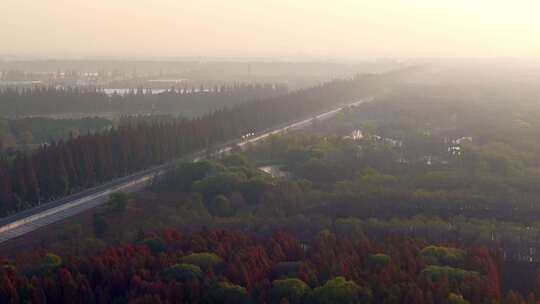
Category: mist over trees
[424,195]
[272,152]
[190,102]
[63,167]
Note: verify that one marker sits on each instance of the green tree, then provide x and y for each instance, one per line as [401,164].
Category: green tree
[379,261]
[235,160]
[227,293]
[183,272]
[254,188]
[436,255]
[204,260]
[455,299]
[100,225]
[339,290]
[49,262]
[155,244]
[195,204]
[220,206]
[350,228]
[186,174]
[118,202]
[222,183]
[291,289]
[436,273]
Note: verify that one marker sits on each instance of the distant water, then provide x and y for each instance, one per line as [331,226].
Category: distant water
[126,91]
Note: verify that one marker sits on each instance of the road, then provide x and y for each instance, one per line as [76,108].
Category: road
[29,220]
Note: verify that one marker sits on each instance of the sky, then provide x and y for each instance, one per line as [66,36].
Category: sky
[310,29]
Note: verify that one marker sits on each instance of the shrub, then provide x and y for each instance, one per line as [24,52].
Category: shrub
[339,290]
[436,255]
[183,272]
[291,289]
[204,260]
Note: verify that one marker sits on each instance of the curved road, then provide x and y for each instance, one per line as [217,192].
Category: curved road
[29,220]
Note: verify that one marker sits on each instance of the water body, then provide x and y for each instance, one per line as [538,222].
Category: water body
[124,91]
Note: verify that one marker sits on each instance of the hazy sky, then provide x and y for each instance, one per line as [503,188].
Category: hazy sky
[271,28]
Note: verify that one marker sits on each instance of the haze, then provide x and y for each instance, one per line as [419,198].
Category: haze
[270,28]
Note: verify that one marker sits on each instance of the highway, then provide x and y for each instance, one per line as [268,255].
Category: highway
[31,219]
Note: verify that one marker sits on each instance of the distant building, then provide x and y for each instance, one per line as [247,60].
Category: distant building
[455,148]
[391,141]
[460,140]
[355,135]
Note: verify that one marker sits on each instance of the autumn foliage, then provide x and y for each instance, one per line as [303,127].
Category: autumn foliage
[233,267]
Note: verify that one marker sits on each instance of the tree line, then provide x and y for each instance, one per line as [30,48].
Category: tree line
[49,100]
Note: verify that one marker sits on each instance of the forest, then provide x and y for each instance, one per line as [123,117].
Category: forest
[411,198]
[66,166]
[377,205]
[225,232]
[217,266]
